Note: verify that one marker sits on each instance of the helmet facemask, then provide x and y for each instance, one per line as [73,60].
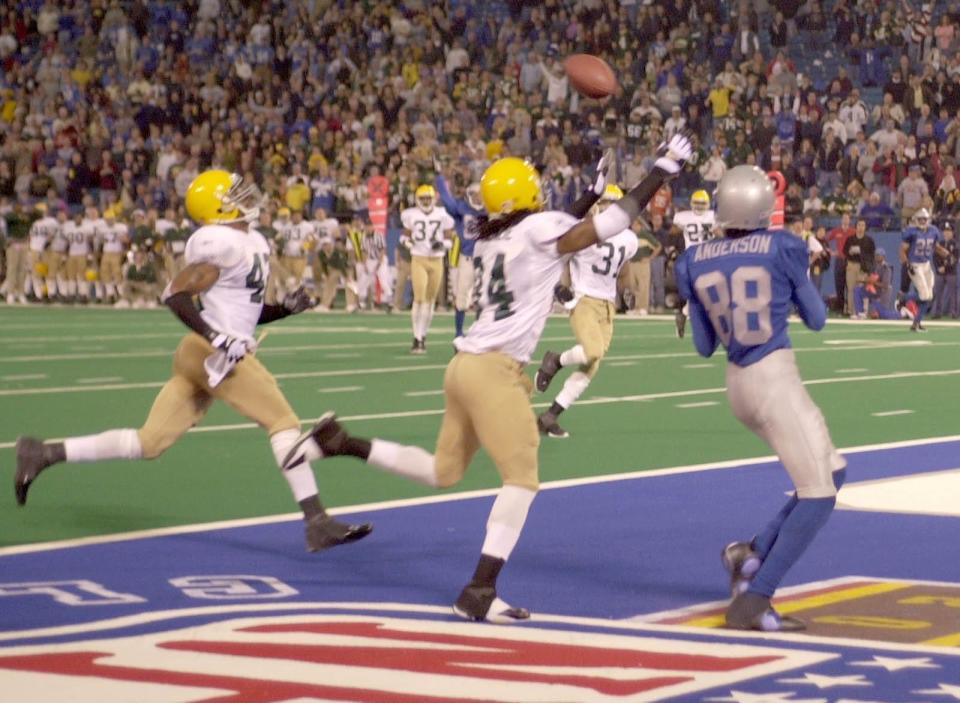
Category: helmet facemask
[473,196]
[245,199]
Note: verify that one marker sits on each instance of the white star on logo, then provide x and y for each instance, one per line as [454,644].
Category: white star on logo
[822,682]
[894,664]
[744,697]
[944,689]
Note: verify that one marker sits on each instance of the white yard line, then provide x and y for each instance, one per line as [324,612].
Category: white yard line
[24,377]
[417,394]
[340,389]
[891,413]
[99,380]
[849,370]
[704,404]
[698,366]
[581,403]
[448,497]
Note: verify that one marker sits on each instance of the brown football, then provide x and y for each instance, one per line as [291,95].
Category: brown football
[590,75]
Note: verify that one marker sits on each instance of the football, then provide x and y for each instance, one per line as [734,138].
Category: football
[590,75]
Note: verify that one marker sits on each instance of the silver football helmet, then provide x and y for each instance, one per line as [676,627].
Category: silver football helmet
[744,199]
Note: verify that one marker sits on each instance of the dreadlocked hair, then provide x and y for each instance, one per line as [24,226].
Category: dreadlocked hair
[487,227]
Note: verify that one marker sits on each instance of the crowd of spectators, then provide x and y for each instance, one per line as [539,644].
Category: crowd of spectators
[107,103]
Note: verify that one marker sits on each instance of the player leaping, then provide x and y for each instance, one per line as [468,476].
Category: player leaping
[593,274]
[227,268]
[741,290]
[696,225]
[519,256]
[920,242]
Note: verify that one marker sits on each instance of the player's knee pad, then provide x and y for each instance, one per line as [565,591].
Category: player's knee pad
[284,441]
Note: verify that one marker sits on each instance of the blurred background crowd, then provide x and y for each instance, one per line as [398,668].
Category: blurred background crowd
[337,109]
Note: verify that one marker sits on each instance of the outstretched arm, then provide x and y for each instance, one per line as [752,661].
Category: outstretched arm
[622,213]
[450,203]
[192,280]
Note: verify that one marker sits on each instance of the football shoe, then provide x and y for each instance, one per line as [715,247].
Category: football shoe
[33,456]
[481,604]
[741,562]
[547,424]
[548,369]
[680,320]
[751,611]
[323,532]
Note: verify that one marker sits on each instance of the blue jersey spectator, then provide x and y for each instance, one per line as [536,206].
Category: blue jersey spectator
[465,212]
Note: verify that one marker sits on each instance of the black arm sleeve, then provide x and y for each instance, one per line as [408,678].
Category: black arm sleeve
[182,306]
[641,194]
[581,207]
[272,313]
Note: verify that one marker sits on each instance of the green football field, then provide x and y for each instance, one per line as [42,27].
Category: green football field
[654,404]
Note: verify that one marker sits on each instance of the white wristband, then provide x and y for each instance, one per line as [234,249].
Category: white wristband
[611,222]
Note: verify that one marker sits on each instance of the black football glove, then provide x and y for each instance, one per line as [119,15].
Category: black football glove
[437,246]
[563,294]
[297,301]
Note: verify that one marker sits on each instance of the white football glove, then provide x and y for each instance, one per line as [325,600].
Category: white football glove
[600,182]
[234,347]
[674,154]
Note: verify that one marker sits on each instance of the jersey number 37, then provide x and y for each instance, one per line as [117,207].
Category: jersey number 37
[740,309]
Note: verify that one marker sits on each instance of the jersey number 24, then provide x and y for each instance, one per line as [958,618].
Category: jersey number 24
[740,309]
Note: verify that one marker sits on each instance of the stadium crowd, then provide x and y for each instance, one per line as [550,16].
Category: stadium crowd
[338,110]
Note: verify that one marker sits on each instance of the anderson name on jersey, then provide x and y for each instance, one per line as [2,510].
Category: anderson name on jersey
[234,302]
[425,229]
[515,273]
[594,270]
[697,227]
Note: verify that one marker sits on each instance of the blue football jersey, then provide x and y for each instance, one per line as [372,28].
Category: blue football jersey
[922,243]
[741,291]
[464,216]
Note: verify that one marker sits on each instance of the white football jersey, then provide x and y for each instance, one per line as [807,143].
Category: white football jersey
[234,302]
[295,235]
[114,237]
[80,237]
[328,230]
[425,229]
[515,273]
[696,226]
[43,232]
[594,270]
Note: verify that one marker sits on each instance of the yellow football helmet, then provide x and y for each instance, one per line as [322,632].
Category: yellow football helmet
[426,197]
[700,201]
[220,197]
[283,212]
[510,184]
[611,193]
[41,269]
[91,275]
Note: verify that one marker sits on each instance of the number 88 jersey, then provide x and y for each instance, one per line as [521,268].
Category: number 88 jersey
[514,276]
[233,304]
[426,229]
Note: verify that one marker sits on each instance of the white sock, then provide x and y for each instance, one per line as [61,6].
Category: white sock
[71,288]
[112,444]
[53,288]
[428,309]
[572,388]
[413,463]
[111,290]
[505,523]
[37,286]
[300,476]
[415,319]
[573,356]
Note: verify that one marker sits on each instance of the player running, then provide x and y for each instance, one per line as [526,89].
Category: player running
[227,267]
[465,211]
[593,274]
[741,290]
[696,225]
[426,229]
[920,242]
[519,255]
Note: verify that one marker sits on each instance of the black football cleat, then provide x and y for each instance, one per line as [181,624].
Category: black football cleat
[324,532]
[480,604]
[33,456]
[547,424]
[548,369]
[680,320]
[741,562]
[327,433]
[751,611]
